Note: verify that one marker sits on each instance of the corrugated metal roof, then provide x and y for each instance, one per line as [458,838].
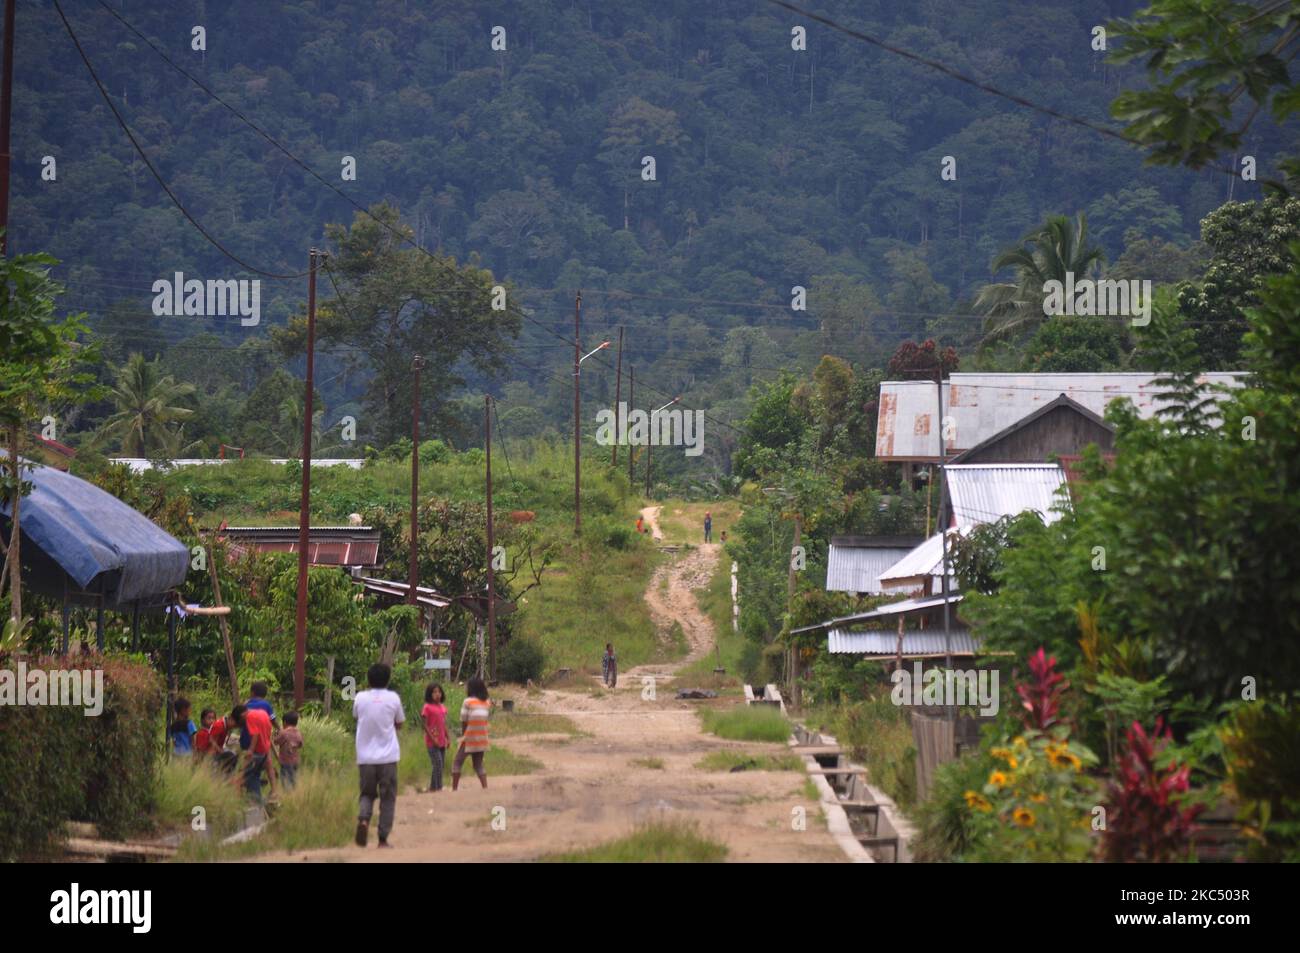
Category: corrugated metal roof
[981,405]
[985,492]
[894,608]
[858,568]
[923,562]
[929,642]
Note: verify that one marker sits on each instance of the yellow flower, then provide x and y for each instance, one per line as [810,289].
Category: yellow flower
[1020,742]
[977,801]
[1006,755]
[1063,757]
[999,779]
[1023,816]
[1038,798]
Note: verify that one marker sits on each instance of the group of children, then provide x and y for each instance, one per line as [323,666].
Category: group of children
[474,713]
[262,742]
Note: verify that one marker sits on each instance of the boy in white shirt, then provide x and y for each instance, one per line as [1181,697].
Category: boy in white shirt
[379,714]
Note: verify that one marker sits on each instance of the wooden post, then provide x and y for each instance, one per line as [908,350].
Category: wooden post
[225,631]
[329,684]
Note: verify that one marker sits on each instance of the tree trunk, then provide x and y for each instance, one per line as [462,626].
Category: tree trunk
[15,566]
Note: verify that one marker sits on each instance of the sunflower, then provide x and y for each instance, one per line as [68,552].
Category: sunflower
[1038,798]
[1023,816]
[1063,757]
[999,779]
[977,802]
[1020,742]
[1006,755]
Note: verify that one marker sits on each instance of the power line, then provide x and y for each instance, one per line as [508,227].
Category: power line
[157,176]
[970,80]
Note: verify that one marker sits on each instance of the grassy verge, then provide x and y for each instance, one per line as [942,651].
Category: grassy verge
[655,843]
[878,735]
[746,723]
[589,597]
[727,760]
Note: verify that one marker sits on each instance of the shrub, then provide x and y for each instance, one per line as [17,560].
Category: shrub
[1150,820]
[434,451]
[59,764]
[1262,752]
[520,660]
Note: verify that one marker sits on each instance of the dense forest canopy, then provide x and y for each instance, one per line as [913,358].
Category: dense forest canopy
[774,168]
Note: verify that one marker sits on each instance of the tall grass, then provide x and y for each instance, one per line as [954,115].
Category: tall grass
[746,723]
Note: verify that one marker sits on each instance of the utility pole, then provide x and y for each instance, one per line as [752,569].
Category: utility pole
[12,562]
[6,114]
[949,711]
[618,393]
[577,410]
[304,507]
[793,658]
[631,397]
[649,456]
[413,563]
[491,544]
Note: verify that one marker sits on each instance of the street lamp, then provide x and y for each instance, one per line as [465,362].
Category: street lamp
[650,442]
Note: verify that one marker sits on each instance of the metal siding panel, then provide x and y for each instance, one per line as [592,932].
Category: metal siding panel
[858,568]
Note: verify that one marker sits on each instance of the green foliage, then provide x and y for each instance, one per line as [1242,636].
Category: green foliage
[60,764]
[1262,750]
[1200,56]
[520,660]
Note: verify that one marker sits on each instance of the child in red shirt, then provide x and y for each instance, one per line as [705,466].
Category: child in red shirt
[203,739]
[434,715]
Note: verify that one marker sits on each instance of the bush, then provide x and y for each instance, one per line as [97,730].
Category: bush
[59,764]
[521,659]
[434,451]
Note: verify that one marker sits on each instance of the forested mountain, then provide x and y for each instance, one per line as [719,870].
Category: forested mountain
[774,167]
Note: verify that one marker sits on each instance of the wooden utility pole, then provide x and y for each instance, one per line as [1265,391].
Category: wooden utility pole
[304,506]
[649,455]
[225,630]
[413,562]
[793,658]
[6,114]
[491,544]
[631,396]
[12,562]
[618,393]
[577,410]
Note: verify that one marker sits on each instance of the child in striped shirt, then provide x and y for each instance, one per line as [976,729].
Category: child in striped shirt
[474,731]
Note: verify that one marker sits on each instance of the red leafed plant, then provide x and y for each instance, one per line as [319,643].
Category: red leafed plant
[1148,821]
[1041,695]
[913,360]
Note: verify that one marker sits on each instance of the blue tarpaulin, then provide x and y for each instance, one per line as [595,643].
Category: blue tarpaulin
[101,544]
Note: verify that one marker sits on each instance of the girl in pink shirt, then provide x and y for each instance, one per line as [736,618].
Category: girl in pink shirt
[434,715]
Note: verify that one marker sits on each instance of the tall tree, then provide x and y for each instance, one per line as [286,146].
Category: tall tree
[395,301]
[38,365]
[1049,252]
[149,416]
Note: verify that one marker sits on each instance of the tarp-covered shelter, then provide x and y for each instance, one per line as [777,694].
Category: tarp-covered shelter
[85,544]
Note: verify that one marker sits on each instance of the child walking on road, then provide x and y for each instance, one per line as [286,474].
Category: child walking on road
[473,731]
[434,714]
[609,666]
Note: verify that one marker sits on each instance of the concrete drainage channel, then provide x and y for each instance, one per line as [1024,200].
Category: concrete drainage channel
[864,821]
[769,695]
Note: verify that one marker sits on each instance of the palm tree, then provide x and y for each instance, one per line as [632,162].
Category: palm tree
[148,413]
[1054,248]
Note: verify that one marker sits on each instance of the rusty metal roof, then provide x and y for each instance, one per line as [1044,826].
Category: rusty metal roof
[981,405]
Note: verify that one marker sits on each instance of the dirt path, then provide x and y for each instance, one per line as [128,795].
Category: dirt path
[636,759]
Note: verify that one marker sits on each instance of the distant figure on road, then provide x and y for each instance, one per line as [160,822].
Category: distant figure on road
[609,665]
[708,526]
[639,523]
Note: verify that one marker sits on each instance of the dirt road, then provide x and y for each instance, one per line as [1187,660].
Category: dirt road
[636,759]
